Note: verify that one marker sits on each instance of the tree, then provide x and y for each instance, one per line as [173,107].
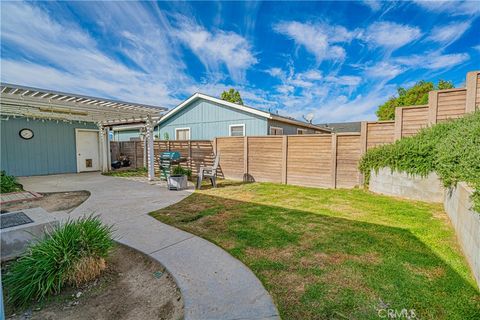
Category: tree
[416,95]
[232,95]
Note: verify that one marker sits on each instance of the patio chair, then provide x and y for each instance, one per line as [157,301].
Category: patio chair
[209,172]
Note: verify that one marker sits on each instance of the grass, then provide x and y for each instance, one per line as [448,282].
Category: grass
[138,172]
[336,254]
[73,253]
[8,183]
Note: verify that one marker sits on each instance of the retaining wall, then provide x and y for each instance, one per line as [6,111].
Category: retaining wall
[466,223]
[400,184]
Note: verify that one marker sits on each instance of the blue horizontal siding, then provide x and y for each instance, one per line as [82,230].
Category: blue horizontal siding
[287,127]
[50,151]
[208,120]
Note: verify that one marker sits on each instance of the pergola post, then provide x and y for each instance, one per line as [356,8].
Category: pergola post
[104,148]
[109,151]
[150,152]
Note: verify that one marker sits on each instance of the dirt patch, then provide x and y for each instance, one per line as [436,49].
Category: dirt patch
[51,202]
[133,287]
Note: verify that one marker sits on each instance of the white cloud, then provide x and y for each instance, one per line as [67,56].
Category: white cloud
[390,35]
[455,8]
[433,61]
[448,34]
[61,55]
[218,48]
[319,39]
[384,70]
[374,5]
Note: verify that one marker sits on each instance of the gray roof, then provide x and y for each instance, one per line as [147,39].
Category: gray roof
[342,126]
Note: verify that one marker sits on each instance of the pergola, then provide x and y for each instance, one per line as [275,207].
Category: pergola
[36,104]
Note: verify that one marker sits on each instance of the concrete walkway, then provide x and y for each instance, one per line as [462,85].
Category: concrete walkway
[214,285]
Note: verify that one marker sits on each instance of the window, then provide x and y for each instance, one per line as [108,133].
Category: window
[275,131]
[182,134]
[237,130]
[302,131]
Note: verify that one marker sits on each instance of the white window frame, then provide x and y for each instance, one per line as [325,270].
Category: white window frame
[276,128]
[304,131]
[186,128]
[236,125]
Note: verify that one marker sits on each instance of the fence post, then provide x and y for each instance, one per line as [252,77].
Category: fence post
[334,161]
[190,154]
[245,157]
[145,151]
[168,145]
[471,86]
[432,107]
[363,144]
[135,154]
[398,123]
[284,158]
[215,146]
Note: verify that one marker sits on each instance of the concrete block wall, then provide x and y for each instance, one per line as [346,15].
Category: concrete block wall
[400,184]
[466,223]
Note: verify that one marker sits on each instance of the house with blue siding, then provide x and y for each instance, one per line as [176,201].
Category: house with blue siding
[50,132]
[202,117]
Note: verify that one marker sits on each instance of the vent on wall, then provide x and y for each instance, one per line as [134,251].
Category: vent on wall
[88,163]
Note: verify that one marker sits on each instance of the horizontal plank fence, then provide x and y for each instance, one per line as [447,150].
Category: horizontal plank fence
[328,161]
[195,152]
[317,160]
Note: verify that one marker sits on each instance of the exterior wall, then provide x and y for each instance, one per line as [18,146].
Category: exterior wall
[400,184]
[289,129]
[50,151]
[466,223]
[125,135]
[208,120]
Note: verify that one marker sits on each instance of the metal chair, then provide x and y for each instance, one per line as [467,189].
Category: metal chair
[209,172]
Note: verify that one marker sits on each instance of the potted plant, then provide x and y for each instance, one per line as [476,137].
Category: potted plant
[178,178]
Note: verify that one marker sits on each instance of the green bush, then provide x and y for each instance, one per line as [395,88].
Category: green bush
[180,171]
[451,149]
[72,253]
[8,183]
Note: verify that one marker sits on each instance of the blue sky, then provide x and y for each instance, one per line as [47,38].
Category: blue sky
[337,60]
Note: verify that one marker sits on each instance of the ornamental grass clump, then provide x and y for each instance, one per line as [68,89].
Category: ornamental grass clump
[8,183]
[451,149]
[72,254]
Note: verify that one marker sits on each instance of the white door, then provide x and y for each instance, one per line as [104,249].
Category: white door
[88,156]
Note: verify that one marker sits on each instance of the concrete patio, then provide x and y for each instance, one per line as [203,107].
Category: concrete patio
[213,283]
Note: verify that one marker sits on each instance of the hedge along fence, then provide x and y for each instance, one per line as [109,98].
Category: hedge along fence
[451,149]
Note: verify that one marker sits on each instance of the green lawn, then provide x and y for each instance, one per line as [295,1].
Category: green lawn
[336,254]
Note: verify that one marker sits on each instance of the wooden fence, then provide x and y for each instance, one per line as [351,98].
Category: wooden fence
[320,160]
[196,153]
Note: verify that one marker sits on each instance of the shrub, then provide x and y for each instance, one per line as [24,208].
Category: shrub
[8,183]
[451,149]
[180,171]
[72,253]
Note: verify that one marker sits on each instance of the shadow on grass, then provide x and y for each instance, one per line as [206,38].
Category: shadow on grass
[321,267]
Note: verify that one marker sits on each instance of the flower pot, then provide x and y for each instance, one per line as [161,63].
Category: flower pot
[177,182]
